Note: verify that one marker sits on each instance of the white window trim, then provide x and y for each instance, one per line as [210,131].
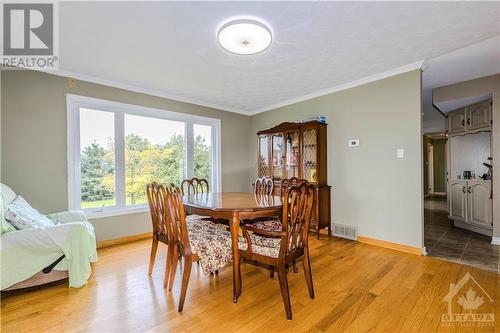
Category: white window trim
[73,105]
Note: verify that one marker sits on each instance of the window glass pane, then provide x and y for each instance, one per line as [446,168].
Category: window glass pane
[97,162]
[202,158]
[154,151]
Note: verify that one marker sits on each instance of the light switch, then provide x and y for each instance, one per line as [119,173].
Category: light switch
[400,153]
[354,143]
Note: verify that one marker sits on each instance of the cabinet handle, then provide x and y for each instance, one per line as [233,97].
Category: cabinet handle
[463,122]
[463,189]
[468,121]
[468,190]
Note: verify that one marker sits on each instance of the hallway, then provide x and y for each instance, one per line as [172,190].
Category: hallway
[444,241]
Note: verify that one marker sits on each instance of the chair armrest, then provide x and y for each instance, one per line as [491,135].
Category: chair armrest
[69,216]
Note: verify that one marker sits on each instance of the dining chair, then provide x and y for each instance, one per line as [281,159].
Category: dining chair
[159,220]
[279,249]
[194,186]
[263,186]
[193,241]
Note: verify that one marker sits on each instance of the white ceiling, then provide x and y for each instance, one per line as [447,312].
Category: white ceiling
[170,48]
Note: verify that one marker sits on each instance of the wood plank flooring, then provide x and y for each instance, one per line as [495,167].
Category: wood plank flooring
[359,288]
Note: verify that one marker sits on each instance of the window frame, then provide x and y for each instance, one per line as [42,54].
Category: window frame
[73,105]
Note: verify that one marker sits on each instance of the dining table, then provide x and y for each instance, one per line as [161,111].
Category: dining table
[235,207]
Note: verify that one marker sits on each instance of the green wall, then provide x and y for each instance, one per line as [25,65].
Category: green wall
[439,165]
[33,139]
[371,188]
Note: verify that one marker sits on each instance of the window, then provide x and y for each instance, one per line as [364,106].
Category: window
[116,149]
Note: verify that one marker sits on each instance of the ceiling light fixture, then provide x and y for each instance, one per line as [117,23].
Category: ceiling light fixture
[244,36]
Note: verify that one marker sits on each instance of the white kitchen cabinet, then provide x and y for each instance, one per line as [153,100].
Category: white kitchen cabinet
[457,199]
[479,203]
[479,115]
[456,121]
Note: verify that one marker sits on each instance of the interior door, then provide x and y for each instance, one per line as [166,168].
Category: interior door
[479,115]
[458,199]
[479,204]
[456,121]
[278,146]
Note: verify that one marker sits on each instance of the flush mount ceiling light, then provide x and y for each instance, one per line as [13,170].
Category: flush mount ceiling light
[244,36]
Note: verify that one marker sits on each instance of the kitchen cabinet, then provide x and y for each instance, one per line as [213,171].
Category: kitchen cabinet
[458,199]
[480,203]
[456,121]
[470,119]
[479,115]
[470,205]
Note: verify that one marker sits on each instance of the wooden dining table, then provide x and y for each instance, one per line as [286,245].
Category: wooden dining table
[235,207]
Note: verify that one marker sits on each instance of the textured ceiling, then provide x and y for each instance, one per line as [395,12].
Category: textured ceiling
[171,48]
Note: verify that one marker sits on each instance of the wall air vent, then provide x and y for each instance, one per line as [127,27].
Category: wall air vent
[345,231]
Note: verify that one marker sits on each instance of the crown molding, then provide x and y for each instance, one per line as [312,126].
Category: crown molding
[352,84]
[83,77]
[137,89]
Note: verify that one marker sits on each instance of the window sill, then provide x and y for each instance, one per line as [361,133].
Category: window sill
[91,215]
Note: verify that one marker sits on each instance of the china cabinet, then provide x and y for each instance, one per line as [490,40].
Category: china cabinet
[298,150]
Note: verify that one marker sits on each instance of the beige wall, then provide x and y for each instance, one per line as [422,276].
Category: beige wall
[477,87]
[371,188]
[33,140]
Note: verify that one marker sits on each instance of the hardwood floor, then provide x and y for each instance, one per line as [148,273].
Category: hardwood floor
[358,288]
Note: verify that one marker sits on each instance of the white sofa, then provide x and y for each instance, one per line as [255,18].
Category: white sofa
[47,273]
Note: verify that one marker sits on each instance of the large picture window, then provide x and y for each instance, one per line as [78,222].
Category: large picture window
[116,149]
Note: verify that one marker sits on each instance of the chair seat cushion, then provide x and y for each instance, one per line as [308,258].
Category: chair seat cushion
[267,225]
[266,246]
[210,242]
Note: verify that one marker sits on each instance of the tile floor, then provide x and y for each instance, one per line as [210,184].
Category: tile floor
[442,240]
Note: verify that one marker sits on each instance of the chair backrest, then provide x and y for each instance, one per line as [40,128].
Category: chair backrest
[263,186]
[288,182]
[158,208]
[194,186]
[297,211]
[178,219]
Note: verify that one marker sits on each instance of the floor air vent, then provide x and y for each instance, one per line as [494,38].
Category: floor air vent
[345,231]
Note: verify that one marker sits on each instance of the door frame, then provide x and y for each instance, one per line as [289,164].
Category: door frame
[430,168]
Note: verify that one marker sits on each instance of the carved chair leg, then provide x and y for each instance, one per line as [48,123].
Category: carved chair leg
[173,268]
[154,247]
[271,272]
[216,272]
[307,271]
[185,281]
[167,267]
[284,290]
[295,269]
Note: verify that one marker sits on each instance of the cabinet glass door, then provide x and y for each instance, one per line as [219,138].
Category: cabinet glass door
[309,152]
[292,154]
[264,156]
[277,156]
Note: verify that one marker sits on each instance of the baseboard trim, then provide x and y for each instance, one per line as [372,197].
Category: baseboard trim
[495,240]
[391,245]
[121,240]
